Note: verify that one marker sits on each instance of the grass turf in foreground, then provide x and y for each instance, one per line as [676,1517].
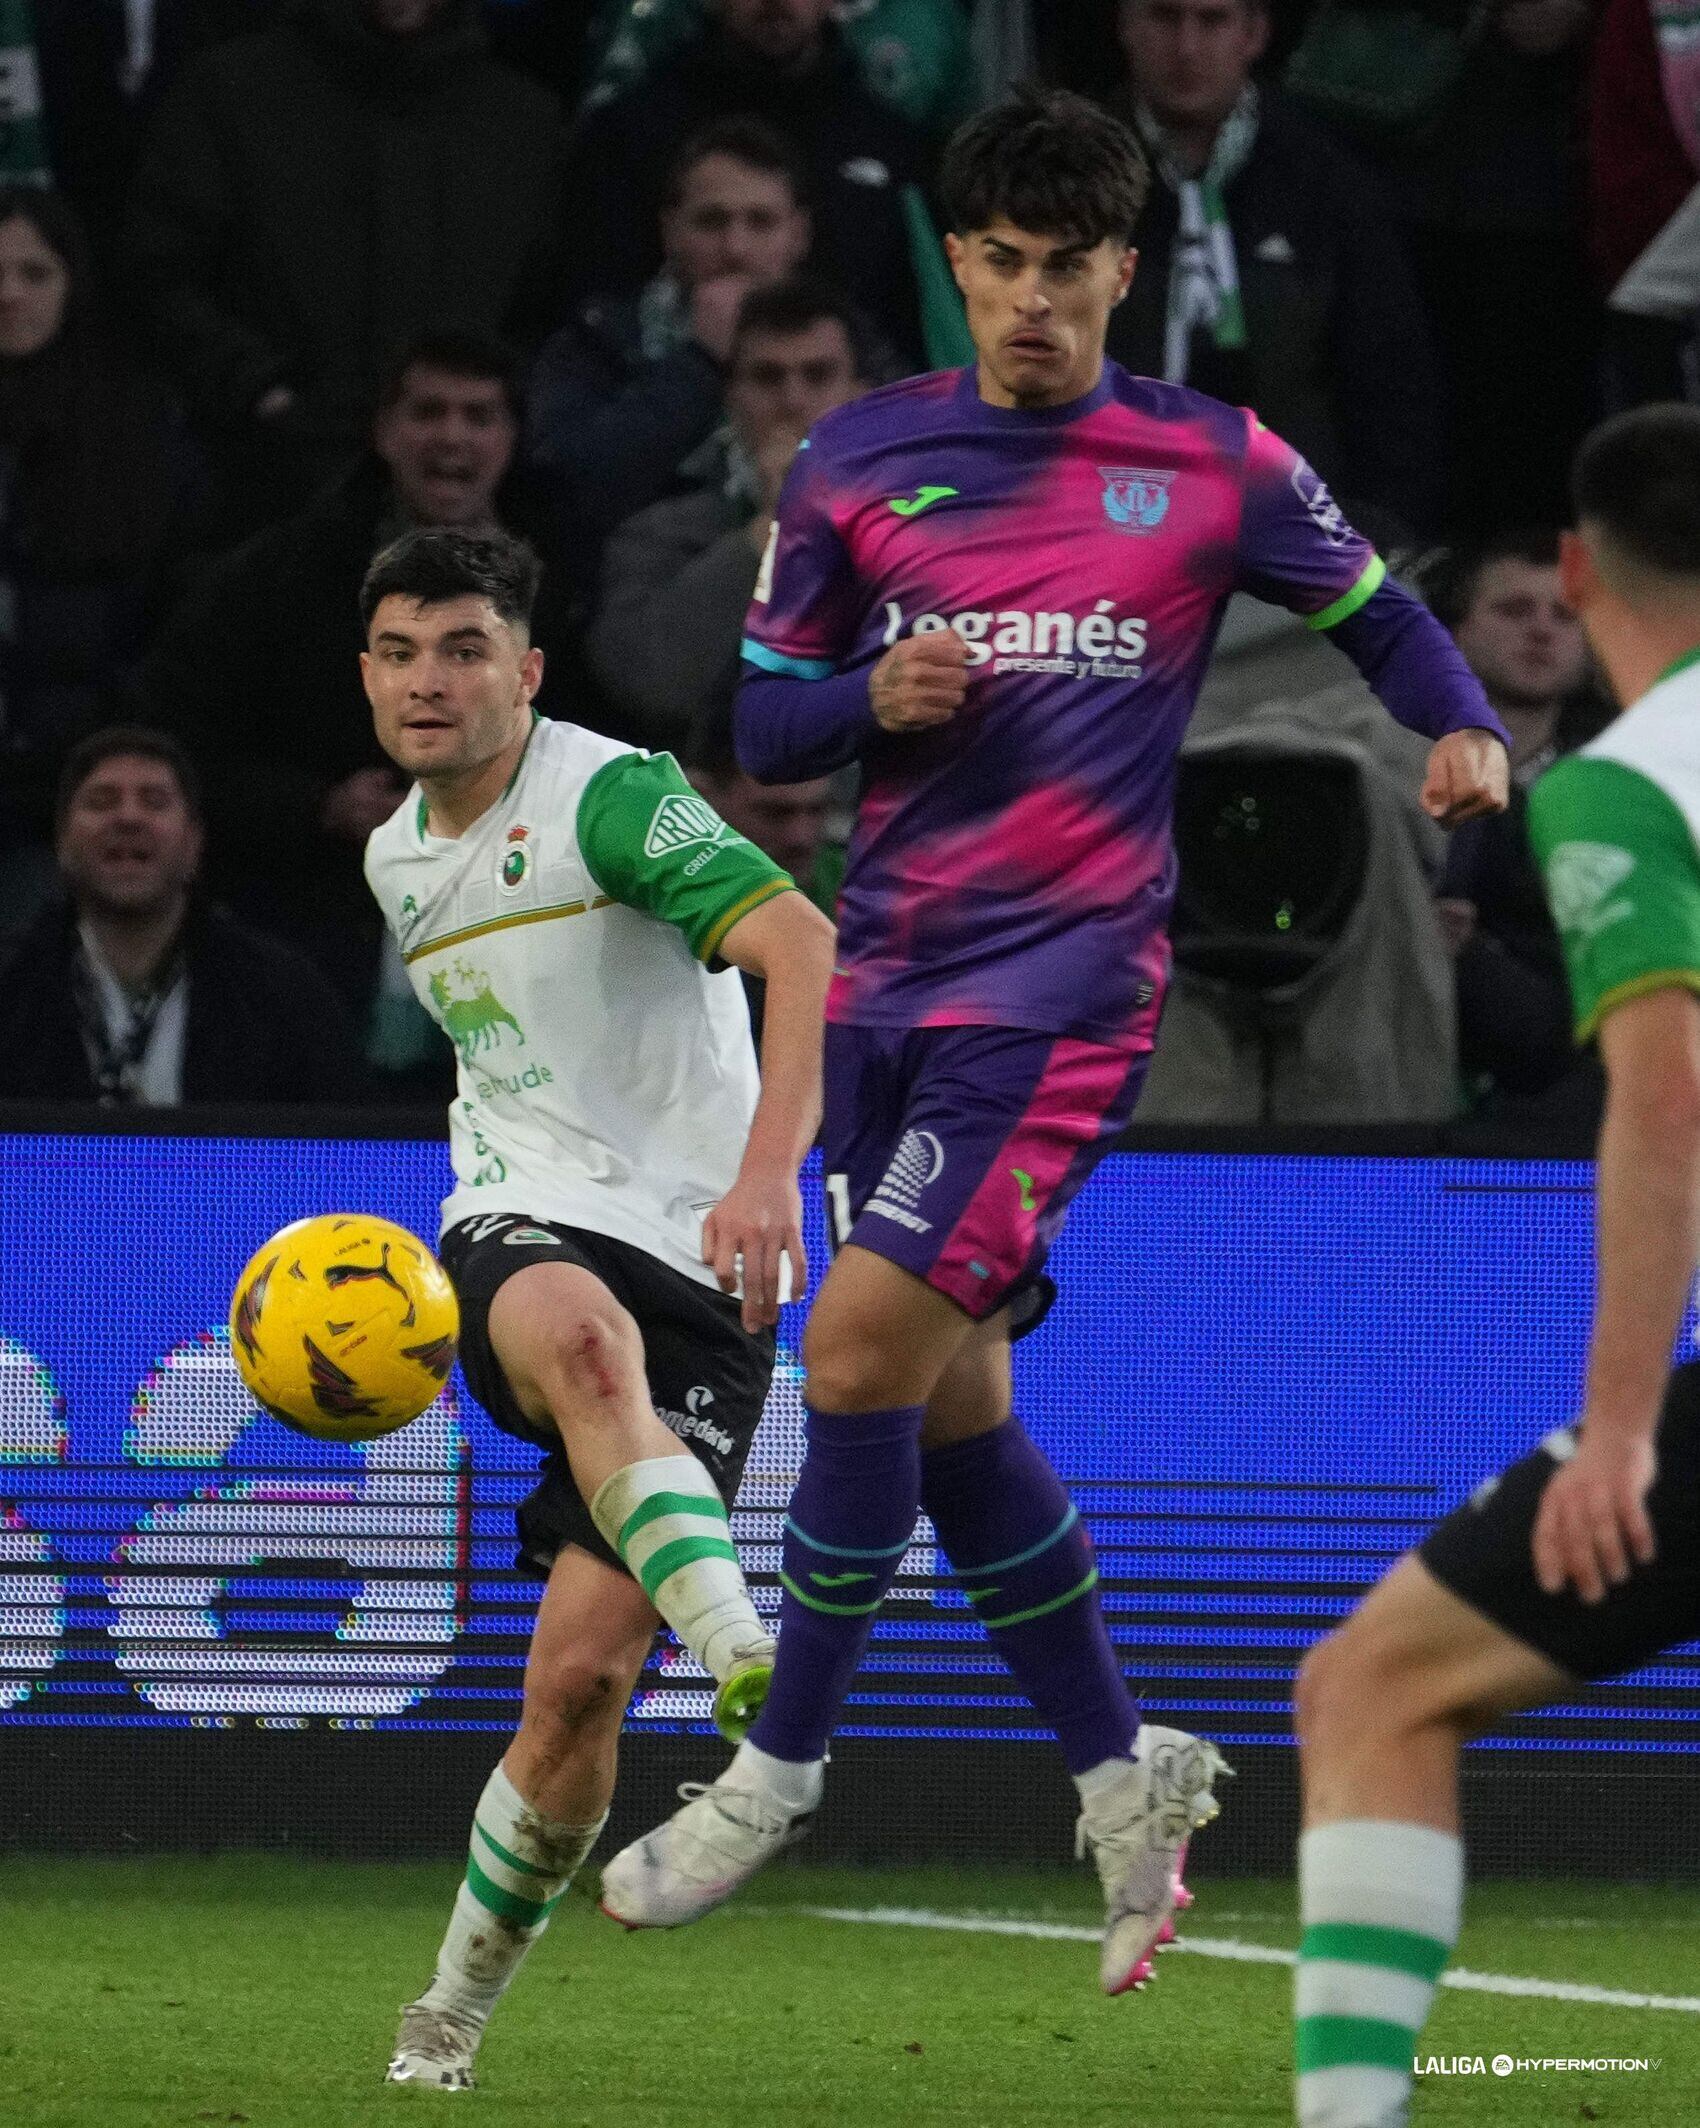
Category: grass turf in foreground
[257,1989]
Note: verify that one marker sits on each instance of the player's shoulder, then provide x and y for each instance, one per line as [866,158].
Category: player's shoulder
[1209,423]
[887,414]
[1639,776]
[571,751]
[1658,737]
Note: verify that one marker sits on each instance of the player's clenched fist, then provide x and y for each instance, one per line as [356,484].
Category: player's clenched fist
[920,681]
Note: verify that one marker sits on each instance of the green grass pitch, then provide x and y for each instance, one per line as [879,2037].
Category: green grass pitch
[253,1989]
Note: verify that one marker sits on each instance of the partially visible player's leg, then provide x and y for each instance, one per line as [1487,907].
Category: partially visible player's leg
[539,1814]
[1021,1551]
[1384,1707]
[573,1358]
[876,1342]
[1018,1546]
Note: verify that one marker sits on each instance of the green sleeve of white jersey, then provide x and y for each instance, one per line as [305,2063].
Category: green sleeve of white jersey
[651,842]
[1623,878]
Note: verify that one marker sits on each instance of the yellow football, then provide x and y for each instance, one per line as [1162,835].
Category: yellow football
[344,1326]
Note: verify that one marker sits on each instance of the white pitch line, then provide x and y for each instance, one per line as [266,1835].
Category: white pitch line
[1245,1954]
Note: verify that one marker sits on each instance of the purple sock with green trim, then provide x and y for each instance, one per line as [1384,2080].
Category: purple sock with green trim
[850,1522]
[1019,1548]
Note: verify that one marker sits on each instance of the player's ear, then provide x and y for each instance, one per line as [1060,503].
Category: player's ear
[956,251]
[531,673]
[1124,277]
[1578,579]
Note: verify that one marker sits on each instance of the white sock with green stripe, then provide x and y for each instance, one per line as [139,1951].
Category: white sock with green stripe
[517,1868]
[669,1525]
[1380,1903]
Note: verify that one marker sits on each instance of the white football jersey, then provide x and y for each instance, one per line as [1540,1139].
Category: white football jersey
[607,1079]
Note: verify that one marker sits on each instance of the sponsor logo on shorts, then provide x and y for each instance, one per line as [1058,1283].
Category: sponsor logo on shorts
[529,1238]
[693,1424]
[916,1165]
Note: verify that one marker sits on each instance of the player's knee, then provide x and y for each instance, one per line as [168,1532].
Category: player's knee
[596,1356]
[1320,1690]
[1360,1687]
[846,1370]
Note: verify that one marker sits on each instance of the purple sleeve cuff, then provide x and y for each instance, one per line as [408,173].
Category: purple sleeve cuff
[1414,666]
[788,729]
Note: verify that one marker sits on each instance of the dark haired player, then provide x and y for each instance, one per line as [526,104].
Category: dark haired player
[559,901]
[997,588]
[1583,1560]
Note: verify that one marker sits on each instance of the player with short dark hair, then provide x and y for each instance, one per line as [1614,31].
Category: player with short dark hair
[998,588]
[622,1177]
[1583,1560]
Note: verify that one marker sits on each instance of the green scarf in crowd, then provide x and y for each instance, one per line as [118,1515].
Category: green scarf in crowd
[1204,274]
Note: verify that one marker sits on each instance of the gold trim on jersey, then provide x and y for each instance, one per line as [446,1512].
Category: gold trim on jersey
[504,923]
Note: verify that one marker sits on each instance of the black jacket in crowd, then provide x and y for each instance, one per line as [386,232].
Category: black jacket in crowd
[314,197]
[264,1024]
[857,154]
[1337,357]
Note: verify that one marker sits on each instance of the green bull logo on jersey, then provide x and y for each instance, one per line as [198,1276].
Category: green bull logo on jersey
[473,1016]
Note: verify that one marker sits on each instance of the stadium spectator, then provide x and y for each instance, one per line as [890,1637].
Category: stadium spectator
[104,66]
[96,496]
[635,382]
[677,577]
[1507,614]
[1486,189]
[1643,133]
[258,671]
[313,197]
[1270,273]
[784,62]
[915,55]
[133,989]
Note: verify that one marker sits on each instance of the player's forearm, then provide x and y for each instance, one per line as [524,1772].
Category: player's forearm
[1415,667]
[788,730]
[1649,1242]
[797,974]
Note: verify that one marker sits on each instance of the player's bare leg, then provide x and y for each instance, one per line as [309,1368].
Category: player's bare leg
[574,1359]
[1015,1541]
[1384,1708]
[539,1815]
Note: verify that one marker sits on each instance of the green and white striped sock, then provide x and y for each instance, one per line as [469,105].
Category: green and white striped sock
[669,1525]
[1381,1904]
[519,1865]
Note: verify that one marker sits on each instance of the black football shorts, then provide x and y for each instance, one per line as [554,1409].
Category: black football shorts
[1481,1552]
[708,1375]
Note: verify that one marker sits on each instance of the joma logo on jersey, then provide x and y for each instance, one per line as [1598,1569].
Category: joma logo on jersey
[679,821]
[473,1017]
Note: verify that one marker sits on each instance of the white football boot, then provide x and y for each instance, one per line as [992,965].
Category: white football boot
[1137,1834]
[699,1856]
[434,2048]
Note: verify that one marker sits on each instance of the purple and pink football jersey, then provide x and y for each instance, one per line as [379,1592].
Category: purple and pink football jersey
[1015,866]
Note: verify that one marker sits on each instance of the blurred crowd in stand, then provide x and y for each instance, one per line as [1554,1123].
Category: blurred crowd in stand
[280,279]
